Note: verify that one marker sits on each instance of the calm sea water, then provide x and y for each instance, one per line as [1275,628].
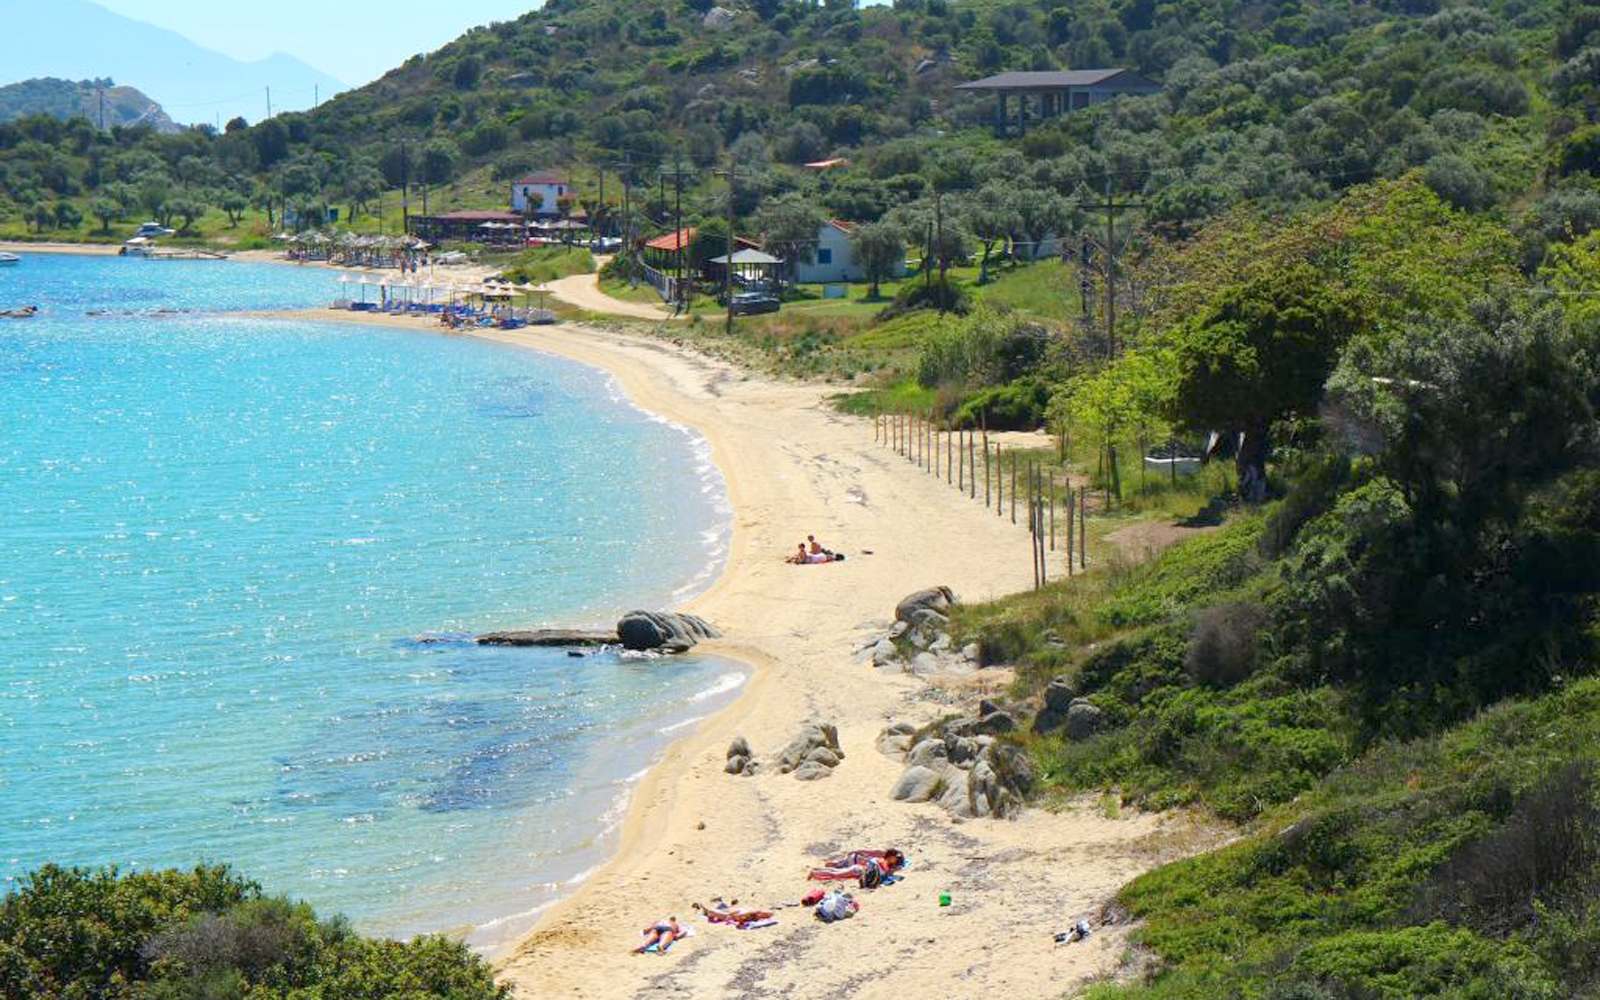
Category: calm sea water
[220,541]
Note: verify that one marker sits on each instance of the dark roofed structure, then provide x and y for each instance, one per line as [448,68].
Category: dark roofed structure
[1055,92]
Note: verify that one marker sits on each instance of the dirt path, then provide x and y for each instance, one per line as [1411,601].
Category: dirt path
[583,291]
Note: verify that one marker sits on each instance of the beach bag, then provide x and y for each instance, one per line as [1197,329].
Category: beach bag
[836,906]
[871,874]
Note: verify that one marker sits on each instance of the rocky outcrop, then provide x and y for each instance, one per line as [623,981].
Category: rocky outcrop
[740,758]
[918,642]
[812,754]
[971,775]
[548,637]
[931,605]
[1084,719]
[668,631]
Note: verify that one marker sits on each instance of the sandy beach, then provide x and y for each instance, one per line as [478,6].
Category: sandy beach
[794,466]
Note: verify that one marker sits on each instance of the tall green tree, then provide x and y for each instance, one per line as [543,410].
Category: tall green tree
[992,216]
[880,249]
[1258,353]
[790,225]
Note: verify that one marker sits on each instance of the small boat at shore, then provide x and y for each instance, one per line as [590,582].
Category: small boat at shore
[9,259]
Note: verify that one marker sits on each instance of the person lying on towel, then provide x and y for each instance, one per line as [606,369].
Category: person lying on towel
[738,916]
[658,937]
[852,864]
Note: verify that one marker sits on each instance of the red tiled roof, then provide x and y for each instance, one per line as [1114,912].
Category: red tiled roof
[544,177]
[673,241]
[837,161]
[842,225]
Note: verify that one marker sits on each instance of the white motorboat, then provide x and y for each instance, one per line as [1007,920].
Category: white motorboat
[8,259]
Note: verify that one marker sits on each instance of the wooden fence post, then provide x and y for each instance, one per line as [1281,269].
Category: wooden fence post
[1013,486]
[972,468]
[961,468]
[1052,495]
[1083,527]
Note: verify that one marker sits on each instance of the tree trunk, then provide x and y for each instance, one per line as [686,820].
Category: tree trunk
[1251,464]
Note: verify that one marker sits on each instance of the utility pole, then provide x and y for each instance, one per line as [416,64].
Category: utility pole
[316,95]
[732,174]
[405,188]
[102,91]
[1111,207]
[680,301]
[269,102]
[624,169]
[424,182]
[938,216]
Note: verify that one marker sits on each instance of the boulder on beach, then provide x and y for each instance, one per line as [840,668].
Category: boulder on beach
[932,604]
[668,630]
[817,745]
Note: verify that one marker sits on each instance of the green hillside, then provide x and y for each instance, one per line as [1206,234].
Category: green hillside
[90,99]
[1278,105]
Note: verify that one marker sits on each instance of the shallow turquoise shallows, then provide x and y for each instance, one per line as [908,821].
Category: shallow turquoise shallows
[222,540]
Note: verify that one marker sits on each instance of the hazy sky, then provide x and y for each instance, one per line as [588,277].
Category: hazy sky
[351,40]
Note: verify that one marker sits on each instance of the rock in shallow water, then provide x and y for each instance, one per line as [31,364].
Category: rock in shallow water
[659,629]
[548,637]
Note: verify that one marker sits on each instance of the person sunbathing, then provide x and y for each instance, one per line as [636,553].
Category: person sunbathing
[738,916]
[660,934]
[799,558]
[852,863]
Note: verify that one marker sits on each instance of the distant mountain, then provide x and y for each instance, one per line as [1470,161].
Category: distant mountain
[100,101]
[76,39]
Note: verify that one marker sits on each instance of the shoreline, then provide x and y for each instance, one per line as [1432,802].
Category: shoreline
[792,465]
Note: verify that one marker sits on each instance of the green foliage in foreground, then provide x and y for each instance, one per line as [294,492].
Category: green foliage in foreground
[207,934]
[1463,865]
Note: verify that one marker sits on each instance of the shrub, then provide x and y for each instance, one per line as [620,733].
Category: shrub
[1020,406]
[1225,644]
[989,347]
[914,295]
[1548,847]
[1187,571]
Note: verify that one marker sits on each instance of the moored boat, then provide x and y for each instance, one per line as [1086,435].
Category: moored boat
[8,259]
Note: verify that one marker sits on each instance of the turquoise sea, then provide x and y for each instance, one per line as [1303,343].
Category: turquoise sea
[223,541]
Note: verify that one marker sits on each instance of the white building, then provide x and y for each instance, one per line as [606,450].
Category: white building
[834,260]
[539,194]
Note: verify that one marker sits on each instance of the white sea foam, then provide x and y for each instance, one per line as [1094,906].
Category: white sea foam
[722,685]
[676,726]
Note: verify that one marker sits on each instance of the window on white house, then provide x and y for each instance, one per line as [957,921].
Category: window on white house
[825,255]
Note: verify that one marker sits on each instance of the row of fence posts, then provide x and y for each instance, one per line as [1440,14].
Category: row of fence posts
[923,443]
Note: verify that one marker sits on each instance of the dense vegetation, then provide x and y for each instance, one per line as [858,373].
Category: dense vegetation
[1277,105]
[69,933]
[1387,670]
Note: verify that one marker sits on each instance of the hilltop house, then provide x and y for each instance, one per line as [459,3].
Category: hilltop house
[834,261]
[1054,92]
[539,194]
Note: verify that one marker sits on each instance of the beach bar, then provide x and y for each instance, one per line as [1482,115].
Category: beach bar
[1021,97]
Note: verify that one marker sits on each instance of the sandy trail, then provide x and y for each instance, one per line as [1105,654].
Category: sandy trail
[583,291]
[794,466]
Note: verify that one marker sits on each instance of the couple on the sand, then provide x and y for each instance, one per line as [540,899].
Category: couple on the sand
[811,551]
